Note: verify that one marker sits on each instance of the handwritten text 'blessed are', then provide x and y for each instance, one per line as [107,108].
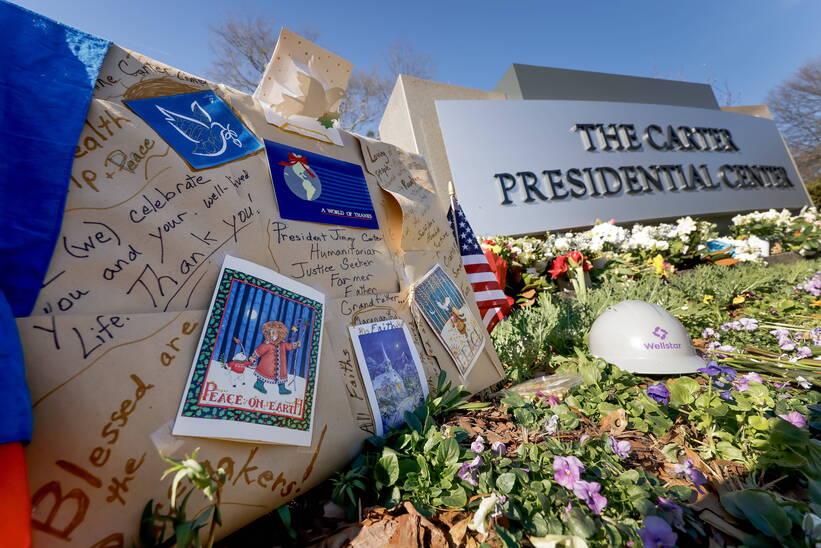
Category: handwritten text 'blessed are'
[636,179]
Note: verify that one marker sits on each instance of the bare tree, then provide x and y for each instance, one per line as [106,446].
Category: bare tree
[796,105]
[369,91]
[727,97]
[242,46]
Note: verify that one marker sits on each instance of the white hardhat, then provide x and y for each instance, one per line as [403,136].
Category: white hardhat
[641,337]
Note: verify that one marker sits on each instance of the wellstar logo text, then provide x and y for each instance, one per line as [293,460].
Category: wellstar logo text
[662,345]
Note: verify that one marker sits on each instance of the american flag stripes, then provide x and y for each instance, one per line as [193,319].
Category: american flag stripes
[490,298]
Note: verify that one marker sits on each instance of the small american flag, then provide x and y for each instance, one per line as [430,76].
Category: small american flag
[492,302]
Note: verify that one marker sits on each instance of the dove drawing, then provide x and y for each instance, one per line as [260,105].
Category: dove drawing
[199,126]
[303,91]
[210,138]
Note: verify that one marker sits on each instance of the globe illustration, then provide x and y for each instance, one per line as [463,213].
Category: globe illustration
[303,183]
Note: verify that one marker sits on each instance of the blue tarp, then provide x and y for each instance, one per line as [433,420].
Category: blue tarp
[47,77]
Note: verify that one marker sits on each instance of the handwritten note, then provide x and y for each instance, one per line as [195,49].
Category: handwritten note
[91,475]
[141,231]
[405,177]
[339,261]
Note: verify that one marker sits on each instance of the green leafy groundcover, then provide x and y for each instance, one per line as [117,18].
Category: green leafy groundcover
[620,459]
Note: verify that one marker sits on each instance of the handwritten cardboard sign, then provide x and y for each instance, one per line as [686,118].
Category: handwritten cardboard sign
[115,329]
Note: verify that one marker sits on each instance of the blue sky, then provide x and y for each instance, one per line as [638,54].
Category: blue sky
[748,45]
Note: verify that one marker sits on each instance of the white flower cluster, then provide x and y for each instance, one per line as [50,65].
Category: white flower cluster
[685,237]
[530,253]
[606,237]
[777,218]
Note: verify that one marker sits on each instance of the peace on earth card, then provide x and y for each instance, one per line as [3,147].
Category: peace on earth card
[256,367]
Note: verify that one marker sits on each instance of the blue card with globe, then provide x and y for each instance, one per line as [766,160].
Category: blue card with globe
[317,189]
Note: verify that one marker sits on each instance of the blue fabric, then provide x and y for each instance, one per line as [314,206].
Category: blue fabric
[15,402]
[199,126]
[47,77]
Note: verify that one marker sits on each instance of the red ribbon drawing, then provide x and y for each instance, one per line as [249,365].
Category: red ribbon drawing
[297,159]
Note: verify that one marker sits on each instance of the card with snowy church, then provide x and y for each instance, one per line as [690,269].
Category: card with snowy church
[256,367]
[445,309]
[318,189]
[391,370]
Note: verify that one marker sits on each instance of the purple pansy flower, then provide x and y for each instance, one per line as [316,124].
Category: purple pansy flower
[721,374]
[749,324]
[786,344]
[780,385]
[727,348]
[469,471]
[811,285]
[659,392]
[754,377]
[692,472]
[711,369]
[567,470]
[588,491]
[742,383]
[725,395]
[498,449]
[709,333]
[620,448]
[673,511]
[803,352]
[657,533]
[735,326]
[552,425]
[803,383]
[727,371]
[478,444]
[795,418]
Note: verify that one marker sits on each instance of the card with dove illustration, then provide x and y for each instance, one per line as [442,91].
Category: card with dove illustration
[444,307]
[318,189]
[199,126]
[302,88]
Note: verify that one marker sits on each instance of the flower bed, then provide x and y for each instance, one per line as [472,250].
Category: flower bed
[661,249]
[729,455]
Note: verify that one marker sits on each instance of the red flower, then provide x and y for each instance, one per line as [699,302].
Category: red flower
[578,258]
[559,266]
